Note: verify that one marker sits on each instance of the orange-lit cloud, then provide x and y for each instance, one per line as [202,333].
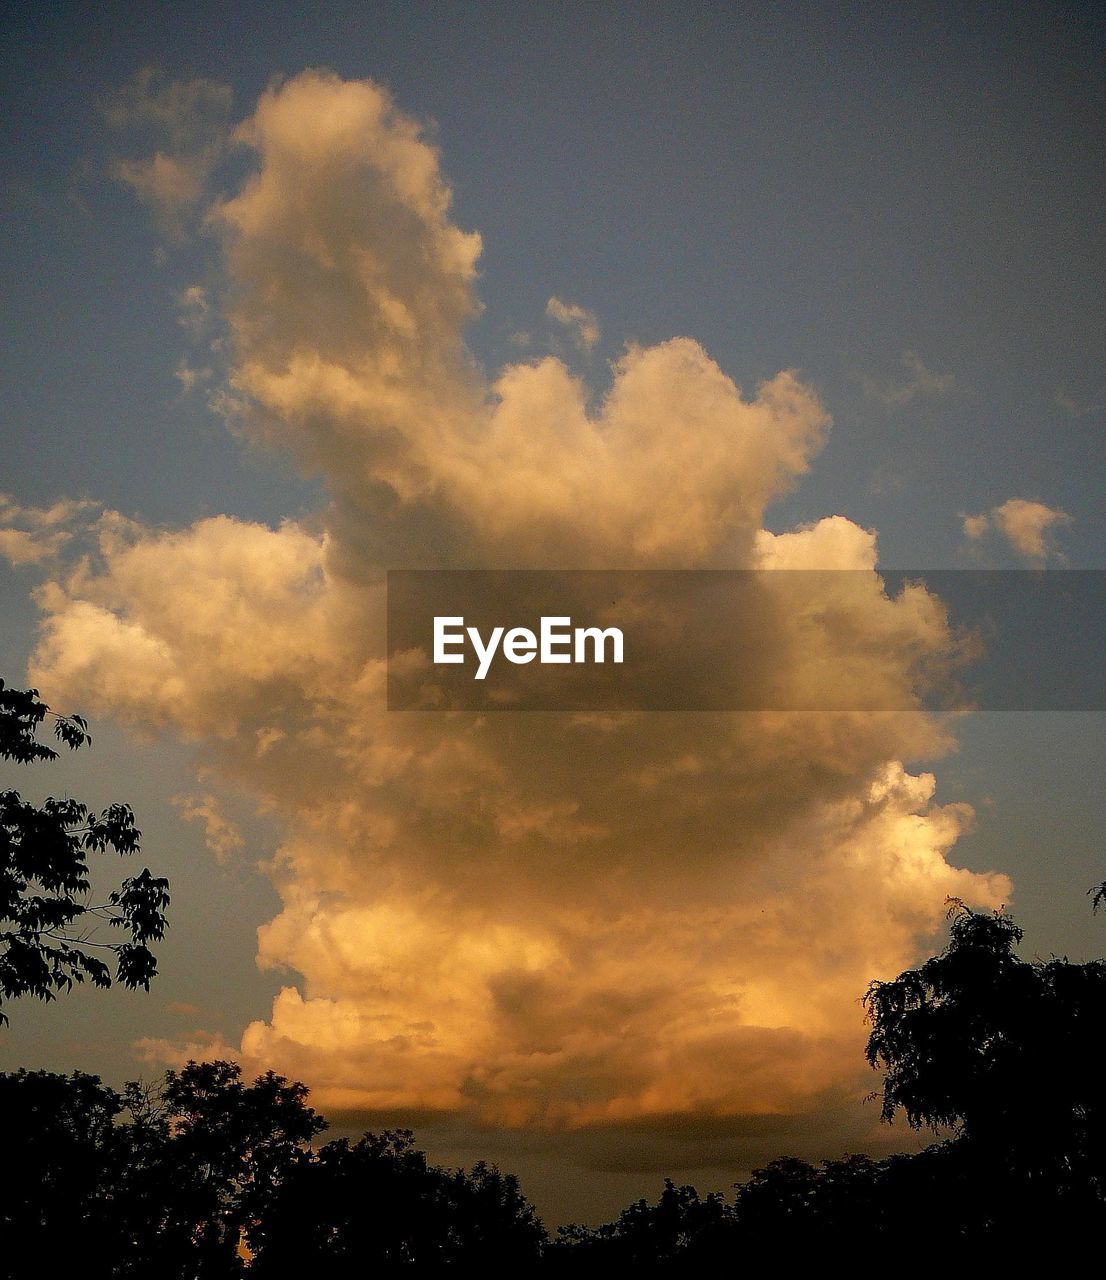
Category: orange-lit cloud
[188,120]
[562,920]
[1028,527]
[37,535]
[581,323]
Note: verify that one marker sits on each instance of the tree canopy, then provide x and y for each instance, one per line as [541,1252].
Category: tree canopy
[1008,1054]
[205,1174]
[48,917]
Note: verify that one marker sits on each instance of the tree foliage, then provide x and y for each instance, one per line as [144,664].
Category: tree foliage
[207,1175]
[681,1227]
[1006,1052]
[152,1181]
[48,917]
[379,1203]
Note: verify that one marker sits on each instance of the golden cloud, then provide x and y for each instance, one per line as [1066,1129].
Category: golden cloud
[561,920]
[1028,527]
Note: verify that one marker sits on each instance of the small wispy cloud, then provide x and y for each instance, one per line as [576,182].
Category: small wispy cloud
[582,324]
[1028,527]
[1080,408]
[183,1009]
[193,309]
[189,121]
[35,535]
[195,1045]
[916,381]
[221,834]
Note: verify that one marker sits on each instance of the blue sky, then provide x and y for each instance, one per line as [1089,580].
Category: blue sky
[791,187]
[903,205]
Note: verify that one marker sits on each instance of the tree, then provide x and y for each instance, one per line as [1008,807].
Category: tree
[47,915]
[62,1152]
[378,1203]
[233,1145]
[1007,1054]
[681,1229]
[163,1180]
[205,1175]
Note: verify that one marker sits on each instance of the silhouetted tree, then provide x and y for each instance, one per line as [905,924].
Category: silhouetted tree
[208,1177]
[47,917]
[493,1222]
[62,1154]
[193,1177]
[779,1201]
[682,1228]
[221,1149]
[163,1181]
[1008,1054]
[378,1202]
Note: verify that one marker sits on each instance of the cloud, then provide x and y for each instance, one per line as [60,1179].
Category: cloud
[190,377]
[196,1045]
[582,325]
[37,535]
[222,835]
[565,921]
[976,527]
[188,120]
[194,309]
[183,1009]
[1076,407]
[18,546]
[1028,527]
[918,382]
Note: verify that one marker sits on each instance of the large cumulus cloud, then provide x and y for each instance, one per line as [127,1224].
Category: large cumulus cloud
[563,920]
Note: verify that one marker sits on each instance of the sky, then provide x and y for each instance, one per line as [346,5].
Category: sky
[294,296]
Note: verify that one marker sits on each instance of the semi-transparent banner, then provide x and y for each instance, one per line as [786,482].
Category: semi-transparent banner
[746,640]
